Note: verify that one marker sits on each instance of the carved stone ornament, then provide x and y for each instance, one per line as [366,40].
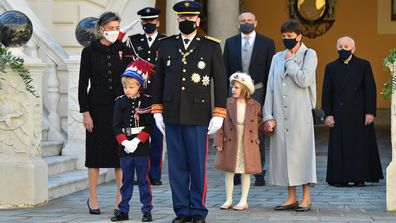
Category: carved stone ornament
[317,16]
[20,118]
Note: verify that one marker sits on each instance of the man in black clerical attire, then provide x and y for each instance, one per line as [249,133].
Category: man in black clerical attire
[349,102]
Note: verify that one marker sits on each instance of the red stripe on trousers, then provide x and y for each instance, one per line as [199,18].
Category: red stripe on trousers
[205,179]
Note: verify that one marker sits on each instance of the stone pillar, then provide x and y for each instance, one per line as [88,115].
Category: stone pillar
[76,132]
[223,19]
[172,26]
[23,173]
[391,169]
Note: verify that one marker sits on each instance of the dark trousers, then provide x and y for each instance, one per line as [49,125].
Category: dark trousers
[258,95]
[142,166]
[156,154]
[187,154]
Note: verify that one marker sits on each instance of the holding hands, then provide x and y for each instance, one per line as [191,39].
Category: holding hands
[269,126]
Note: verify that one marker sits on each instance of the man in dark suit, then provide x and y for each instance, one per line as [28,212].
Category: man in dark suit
[188,65]
[251,53]
[145,46]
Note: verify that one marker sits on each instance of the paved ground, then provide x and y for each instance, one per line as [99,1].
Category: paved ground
[330,204]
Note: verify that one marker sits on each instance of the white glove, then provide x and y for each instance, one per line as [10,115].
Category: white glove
[135,143]
[128,27]
[215,124]
[128,146]
[159,122]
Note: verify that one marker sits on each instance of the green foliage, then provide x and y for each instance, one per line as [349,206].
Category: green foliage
[389,86]
[16,64]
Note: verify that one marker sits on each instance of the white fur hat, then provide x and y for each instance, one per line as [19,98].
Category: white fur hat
[244,79]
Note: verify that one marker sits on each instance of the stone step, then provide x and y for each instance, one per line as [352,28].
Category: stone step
[51,148]
[60,164]
[66,183]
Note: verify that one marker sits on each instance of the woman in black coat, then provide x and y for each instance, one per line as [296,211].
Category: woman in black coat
[102,63]
[349,102]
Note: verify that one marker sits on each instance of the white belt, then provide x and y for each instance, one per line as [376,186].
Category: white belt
[258,85]
[132,131]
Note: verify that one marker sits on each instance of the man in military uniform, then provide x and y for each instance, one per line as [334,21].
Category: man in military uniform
[188,64]
[145,46]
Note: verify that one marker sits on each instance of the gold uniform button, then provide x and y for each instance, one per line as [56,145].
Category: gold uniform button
[184,79]
[184,70]
[183,88]
[203,101]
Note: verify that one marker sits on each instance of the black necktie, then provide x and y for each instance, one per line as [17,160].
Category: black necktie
[186,41]
[149,38]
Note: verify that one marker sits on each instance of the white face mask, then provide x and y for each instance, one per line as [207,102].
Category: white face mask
[110,36]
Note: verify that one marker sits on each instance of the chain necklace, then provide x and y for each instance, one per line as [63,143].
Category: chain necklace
[185,55]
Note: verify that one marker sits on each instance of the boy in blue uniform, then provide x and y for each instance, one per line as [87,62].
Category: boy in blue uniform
[132,126]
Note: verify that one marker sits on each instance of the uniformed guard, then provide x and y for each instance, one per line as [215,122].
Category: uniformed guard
[133,124]
[145,46]
[188,65]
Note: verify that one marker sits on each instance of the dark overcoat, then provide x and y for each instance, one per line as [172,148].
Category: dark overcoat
[227,137]
[349,93]
[99,85]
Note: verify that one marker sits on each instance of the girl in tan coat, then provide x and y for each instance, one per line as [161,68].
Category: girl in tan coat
[237,141]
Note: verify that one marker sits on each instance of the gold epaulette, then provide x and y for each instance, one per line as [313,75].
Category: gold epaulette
[213,39]
[166,37]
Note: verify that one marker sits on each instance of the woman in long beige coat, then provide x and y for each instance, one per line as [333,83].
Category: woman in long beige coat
[237,141]
[291,94]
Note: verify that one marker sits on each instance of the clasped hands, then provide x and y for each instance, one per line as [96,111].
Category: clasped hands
[130,145]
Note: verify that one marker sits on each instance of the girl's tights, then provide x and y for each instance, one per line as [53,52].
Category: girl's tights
[229,186]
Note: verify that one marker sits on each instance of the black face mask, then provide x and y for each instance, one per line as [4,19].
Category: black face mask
[344,54]
[187,27]
[149,27]
[246,28]
[290,43]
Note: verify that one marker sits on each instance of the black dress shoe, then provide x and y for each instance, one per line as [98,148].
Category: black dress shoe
[341,184]
[259,181]
[291,206]
[120,217]
[116,211]
[359,184]
[92,211]
[147,217]
[182,219]
[198,220]
[237,179]
[156,183]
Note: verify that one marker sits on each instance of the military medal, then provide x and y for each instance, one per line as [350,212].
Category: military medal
[205,80]
[168,62]
[201,65]
[195,78]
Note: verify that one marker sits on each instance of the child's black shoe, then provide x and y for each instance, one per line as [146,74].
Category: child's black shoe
[120,216]
[147,217]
